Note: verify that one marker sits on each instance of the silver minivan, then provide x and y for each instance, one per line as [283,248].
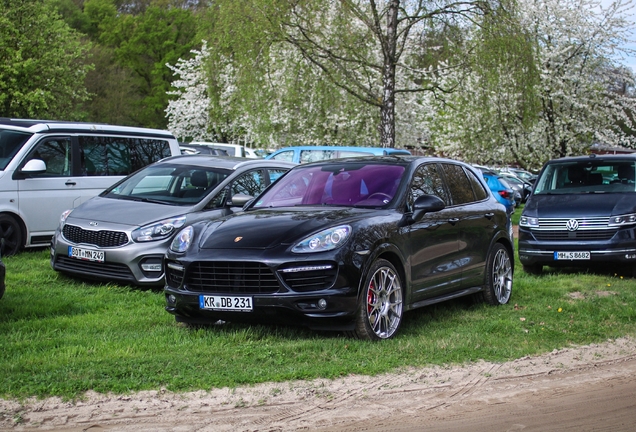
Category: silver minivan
[47,167]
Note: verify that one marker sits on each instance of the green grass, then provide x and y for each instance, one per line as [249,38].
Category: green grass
[60,336]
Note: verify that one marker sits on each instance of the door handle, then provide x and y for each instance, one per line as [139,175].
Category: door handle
[70,183]
[489,215]
[453,221]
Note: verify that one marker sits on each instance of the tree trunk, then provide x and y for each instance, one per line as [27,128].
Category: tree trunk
[387,111]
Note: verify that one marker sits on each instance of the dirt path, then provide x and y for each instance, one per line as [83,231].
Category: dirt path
[579,389]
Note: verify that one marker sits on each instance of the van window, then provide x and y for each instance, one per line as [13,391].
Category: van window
[58,156]
[104,156]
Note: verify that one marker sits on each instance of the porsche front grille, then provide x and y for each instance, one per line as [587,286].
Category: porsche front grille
[231,278]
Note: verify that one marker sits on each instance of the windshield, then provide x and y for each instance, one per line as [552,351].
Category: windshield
[349,184]
[168,184]
[600,176]
[10,143]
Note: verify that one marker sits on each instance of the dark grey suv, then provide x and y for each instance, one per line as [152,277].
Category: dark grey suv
[582,212]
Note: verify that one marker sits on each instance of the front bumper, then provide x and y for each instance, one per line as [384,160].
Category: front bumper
[619,248]
[134,263]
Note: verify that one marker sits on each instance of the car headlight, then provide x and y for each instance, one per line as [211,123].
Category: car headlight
[529,222]
[159,230]
[182,240]
[627,219]
[324,240]
[63,217]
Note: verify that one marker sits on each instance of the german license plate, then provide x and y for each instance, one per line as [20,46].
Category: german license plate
[86,254]
[558,256]
[226,303]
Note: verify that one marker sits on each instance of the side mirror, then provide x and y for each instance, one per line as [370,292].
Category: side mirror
[239,200]
[427,204]
[34,166]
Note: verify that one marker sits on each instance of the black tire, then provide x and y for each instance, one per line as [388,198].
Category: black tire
[10,236]
[533,269]
[498,286]
[380,306]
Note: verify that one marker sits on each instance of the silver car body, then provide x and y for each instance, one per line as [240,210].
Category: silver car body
[106,237]
[47,167]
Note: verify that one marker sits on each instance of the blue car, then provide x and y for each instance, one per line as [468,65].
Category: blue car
[304,154]
[501,189]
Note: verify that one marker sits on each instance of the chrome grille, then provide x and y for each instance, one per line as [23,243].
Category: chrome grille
[231,278]
[102,238]
[588,229]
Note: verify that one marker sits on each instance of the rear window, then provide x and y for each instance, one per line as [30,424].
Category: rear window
[594,176]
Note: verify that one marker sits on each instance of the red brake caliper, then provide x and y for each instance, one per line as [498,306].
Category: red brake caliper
[370,298]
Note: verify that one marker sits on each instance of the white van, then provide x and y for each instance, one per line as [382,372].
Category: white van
[47,167]
[232,149]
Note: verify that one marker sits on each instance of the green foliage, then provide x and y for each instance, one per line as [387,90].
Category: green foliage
[62,336]
[42,66]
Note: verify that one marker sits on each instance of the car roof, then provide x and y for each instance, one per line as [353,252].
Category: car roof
[39,126]
[224,162]
[593,157]
[384,150]
[397,159]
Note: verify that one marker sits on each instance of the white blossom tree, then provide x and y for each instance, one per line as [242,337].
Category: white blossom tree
[572,78]
[189,114]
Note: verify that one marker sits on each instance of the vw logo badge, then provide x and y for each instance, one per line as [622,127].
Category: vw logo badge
[572,225]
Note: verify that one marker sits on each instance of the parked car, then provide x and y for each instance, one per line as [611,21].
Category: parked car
[348,244]
[47,167]
[522,174]
[191,149]
[502,191]
[123,233]
[305,154]
[231,149]
[523,188]
[581,213]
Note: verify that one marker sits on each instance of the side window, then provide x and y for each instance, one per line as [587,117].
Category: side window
[316,155]
[287,156]
[478,189]
[56,153]
[427,181]
[275,174]
[103,156]
[251,183]
[458,183]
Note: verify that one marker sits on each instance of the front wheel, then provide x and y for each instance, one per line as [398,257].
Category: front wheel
[498,276]
[380,306]
[10,235]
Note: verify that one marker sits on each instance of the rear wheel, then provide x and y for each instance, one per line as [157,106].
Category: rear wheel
[380,307]
[533,269]
[10,235]
[499,276]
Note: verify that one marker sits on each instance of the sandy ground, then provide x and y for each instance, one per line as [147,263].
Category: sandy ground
[579,389]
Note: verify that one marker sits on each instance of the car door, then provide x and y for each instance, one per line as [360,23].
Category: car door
[44,196]
[432,242]
[474,221]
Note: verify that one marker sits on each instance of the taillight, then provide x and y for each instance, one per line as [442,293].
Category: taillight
[505,194]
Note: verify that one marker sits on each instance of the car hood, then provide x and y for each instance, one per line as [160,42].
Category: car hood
[133,213]
[267,228]
[580,205]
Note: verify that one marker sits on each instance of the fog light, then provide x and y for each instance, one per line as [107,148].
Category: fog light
[630,256]
[322,304]
[151,267]
[171,299]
